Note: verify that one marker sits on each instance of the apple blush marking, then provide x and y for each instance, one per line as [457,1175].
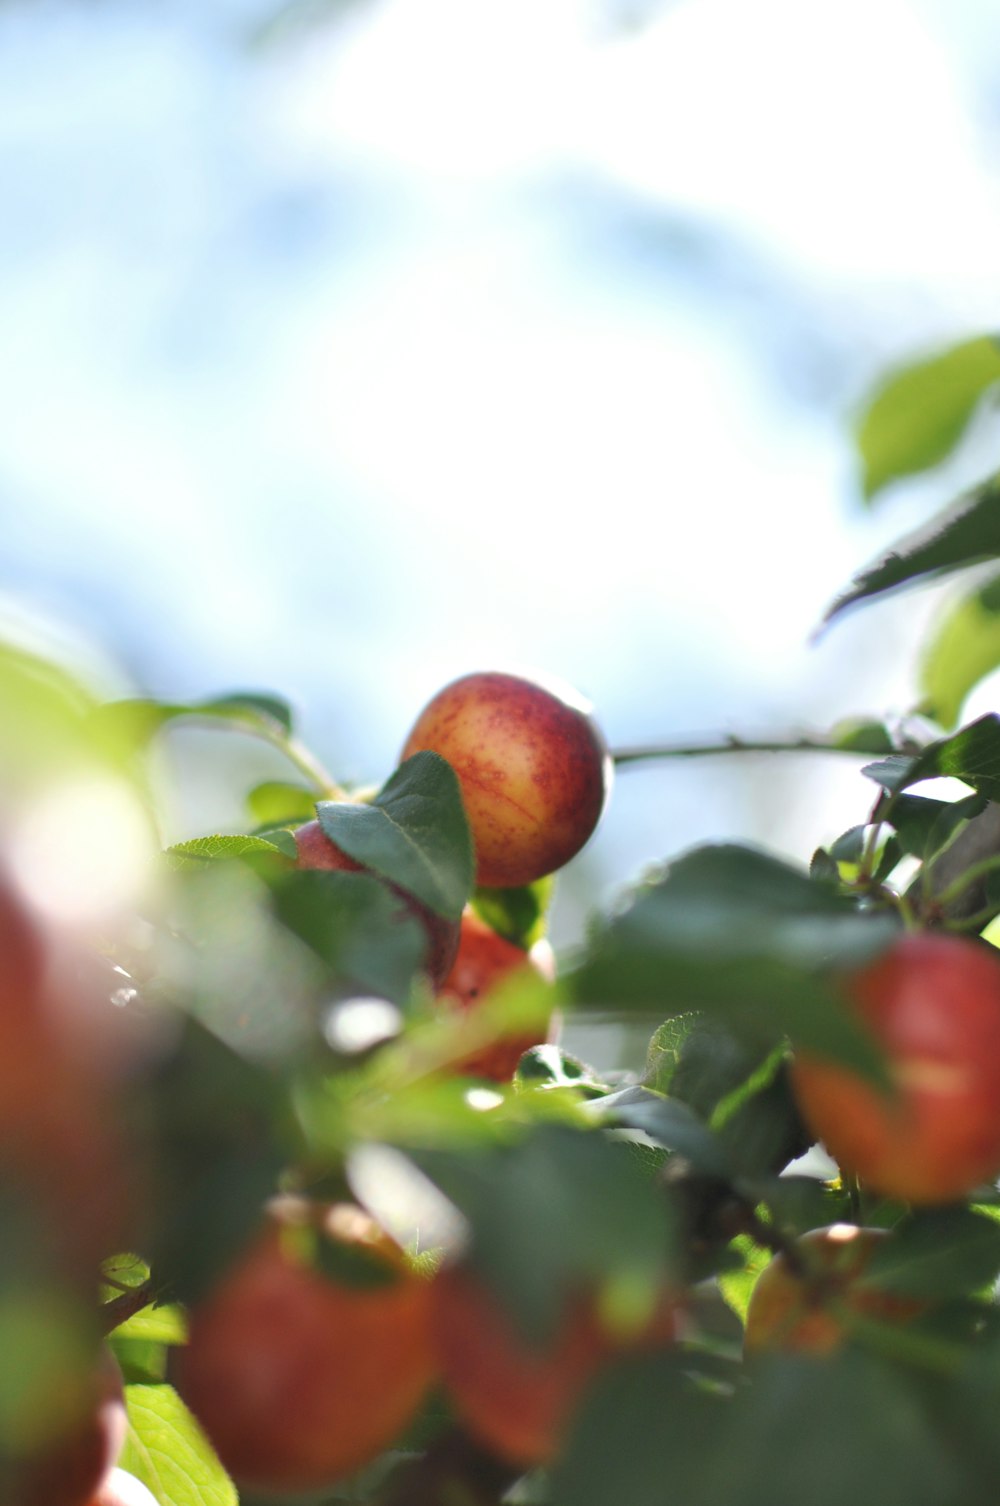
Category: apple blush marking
[532,766]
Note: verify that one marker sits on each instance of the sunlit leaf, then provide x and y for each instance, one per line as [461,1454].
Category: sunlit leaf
[918,414]
[964,649]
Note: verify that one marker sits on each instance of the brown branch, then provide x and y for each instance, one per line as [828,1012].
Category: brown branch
[131,1301]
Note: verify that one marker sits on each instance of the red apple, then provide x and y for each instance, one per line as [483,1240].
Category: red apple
[804,1311]
[316,850]
[483,960]
[932,1003]
[533,768]
[517,1399]
[297,1377]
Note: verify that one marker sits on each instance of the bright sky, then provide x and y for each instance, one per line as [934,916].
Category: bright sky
[460,334]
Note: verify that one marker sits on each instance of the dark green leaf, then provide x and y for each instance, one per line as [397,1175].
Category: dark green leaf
[847,1428]
[221,1131]
[964,648]
[849,845]
[557,1208]
[414,832]
[938,1253]
[965,534]
[669,1122]
[972,755]
[918,414]
[364,933]
[744,937]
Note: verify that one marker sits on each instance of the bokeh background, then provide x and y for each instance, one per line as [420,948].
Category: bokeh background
[350,346]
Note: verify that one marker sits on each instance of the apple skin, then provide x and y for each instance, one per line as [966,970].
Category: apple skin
[533,768]
[932,1003]
[791,1313]
[516,1399]
[59,1140]
[299,1379]
[317,851]
[484,959]
[69,1471]
[122,1489]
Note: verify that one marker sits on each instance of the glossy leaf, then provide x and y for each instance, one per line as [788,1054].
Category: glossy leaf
[414,832]
[963,649]
[966,533]
[918,414]
[972,755]
[745,938]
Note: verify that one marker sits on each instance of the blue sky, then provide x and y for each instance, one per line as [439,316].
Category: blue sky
[445,336]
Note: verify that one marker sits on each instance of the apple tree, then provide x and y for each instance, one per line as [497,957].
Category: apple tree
[302,1200]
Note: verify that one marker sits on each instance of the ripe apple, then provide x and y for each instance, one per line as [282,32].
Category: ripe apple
[59,1144]
[316,850]
[122,1489]
[483,960]
[804,1313]
[533,768]
[67,1470]
[297,1377]
[932,1003]
[517,1399]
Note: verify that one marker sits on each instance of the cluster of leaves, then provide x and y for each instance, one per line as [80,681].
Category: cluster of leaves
[251,987]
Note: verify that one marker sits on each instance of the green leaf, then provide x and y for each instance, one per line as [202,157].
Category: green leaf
[848,1428]
[947,1252]
[169,1453]
[516,914]
[669,1122]
[362,931]
[745,938]
[861,735]
[558,1208]
[964,534]
[217,849]
[972,755]
[158,1325]
[258,713]
[278,803]
[918,414]
[220,1132]
[963,650]
[414,832]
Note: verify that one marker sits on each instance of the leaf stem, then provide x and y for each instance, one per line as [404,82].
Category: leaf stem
[975,871]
